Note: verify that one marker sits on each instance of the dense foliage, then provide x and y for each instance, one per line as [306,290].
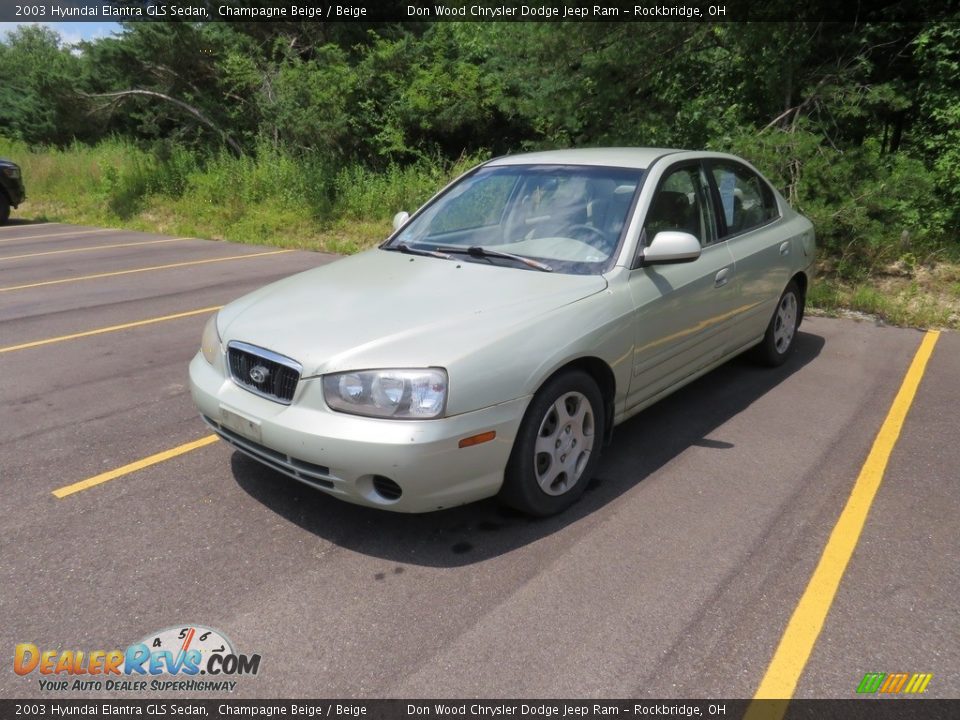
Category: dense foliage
[859,124]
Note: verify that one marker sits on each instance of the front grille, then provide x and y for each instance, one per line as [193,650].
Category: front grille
[263,372]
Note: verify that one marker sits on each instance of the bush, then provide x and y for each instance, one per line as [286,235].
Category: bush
[362,193]
[868,209]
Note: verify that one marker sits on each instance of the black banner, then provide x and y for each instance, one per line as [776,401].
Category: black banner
[854,709]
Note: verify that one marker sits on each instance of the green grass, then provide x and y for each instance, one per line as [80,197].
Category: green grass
[275,198]
[927,302]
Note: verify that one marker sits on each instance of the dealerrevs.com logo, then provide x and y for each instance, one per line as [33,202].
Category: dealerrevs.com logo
[171,659]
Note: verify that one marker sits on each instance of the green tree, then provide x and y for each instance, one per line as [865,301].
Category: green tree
[37,96]
[938,92]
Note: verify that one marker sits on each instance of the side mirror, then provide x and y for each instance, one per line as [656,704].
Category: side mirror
[400,219]
[671,246]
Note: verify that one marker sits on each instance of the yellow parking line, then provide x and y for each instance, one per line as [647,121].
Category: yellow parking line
[140,270]
[95,247]
[790,658]
[112,328]
[71,233]
[133,467]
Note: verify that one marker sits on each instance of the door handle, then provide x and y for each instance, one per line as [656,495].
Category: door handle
[785,248]
[722,277]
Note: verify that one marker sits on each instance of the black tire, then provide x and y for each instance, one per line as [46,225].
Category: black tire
[781,335]
[4,208]
[576,439]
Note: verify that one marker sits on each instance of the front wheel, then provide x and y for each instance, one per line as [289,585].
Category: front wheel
[558,446]
[4,209]
[782,330]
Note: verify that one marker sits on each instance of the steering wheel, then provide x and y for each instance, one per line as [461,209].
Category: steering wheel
[597,239]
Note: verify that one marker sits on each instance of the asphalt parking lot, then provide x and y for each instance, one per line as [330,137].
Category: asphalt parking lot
[675,576]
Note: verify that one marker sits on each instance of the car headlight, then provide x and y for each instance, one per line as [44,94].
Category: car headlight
[210,344]
[11,172]
[418,394]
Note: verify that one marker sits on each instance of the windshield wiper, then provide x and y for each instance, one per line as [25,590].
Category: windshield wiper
[481,252]
[407,250]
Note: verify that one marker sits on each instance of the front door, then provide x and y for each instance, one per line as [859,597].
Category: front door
[682,310]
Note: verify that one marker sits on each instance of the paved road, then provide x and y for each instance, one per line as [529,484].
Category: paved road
[674,576]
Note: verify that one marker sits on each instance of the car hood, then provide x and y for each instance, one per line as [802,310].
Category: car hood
[385,309]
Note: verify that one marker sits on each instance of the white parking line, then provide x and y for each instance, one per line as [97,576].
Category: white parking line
[141,270]
[66,234]
[17,227]
[95,247]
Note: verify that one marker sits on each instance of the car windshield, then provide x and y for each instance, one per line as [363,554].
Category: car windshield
[567,218]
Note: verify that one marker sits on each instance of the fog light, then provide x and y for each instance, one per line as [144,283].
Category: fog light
[386,488]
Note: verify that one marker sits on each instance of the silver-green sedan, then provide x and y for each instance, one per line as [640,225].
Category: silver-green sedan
[491,344]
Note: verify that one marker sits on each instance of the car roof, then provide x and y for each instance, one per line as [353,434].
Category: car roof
[626,157]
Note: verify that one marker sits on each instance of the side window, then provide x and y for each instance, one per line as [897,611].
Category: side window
[681,205]
[745,200]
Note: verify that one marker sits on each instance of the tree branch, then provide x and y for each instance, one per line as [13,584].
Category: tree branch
[180,104]
[779,117]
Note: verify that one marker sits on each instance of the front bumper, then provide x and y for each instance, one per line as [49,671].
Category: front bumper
[348,456]
[15,190]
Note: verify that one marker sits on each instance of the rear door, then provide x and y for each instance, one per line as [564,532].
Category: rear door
[750,224]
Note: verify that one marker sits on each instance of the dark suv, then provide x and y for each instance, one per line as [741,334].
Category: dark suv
[12,192]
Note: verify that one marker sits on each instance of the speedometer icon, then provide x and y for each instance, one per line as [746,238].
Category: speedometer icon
[181,639]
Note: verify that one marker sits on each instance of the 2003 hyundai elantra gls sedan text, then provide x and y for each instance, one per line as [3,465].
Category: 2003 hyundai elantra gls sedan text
[489,346]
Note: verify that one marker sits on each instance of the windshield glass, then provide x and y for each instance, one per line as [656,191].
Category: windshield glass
[567,217]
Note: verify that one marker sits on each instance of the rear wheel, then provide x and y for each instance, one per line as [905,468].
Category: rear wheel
[4,209]
[782,330]
[558,447]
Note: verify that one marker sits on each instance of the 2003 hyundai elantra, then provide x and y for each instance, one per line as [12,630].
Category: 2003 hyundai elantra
[489,346]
